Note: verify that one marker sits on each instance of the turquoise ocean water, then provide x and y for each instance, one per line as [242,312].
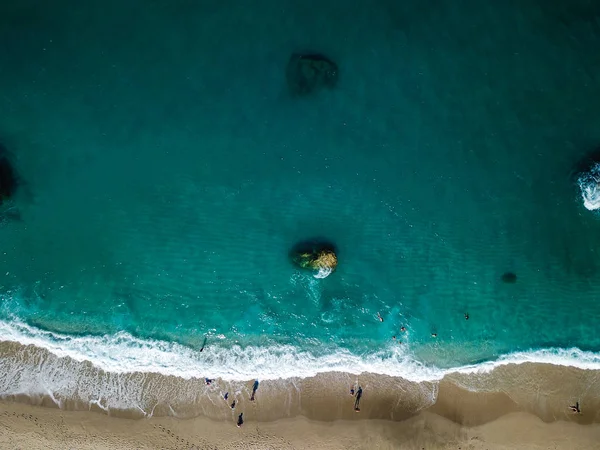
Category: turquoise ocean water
[166,173]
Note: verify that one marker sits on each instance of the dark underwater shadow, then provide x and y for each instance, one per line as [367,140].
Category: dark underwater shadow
[584,164]
[9,184]
[8,177]
[311,246]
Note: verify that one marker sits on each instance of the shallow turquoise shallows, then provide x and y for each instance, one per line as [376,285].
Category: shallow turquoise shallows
[167,172]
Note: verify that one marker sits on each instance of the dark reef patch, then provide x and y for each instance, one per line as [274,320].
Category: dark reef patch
[8,177]
[584,164]
[309,73]
[509,277]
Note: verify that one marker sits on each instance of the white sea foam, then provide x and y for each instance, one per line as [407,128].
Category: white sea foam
[124,353]
[589,183]
[128,364]
[323,272]
[572,357]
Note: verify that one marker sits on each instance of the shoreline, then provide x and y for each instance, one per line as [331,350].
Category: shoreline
[522,405]
[271,362]
[36,376]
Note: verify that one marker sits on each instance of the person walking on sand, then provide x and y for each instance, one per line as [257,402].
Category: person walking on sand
[240,421]
[357,401]
[254,389]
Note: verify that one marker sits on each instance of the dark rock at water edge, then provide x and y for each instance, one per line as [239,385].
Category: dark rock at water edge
[309,73]
[509,277]
[587,173]
[316,255]
[8,178]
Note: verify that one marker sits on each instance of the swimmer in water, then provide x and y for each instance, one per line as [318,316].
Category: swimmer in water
[379,317]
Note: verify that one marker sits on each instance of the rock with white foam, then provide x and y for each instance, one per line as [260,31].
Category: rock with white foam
[321,259]
[589,184]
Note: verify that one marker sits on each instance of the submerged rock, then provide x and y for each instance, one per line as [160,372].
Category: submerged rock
[316,256]
[8,179]
[509,277]
[309,73]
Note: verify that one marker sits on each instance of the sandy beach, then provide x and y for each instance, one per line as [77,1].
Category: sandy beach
[319,413]
[29,427]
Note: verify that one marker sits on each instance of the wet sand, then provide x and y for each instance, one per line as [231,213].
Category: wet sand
[515,406]
[34,427]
